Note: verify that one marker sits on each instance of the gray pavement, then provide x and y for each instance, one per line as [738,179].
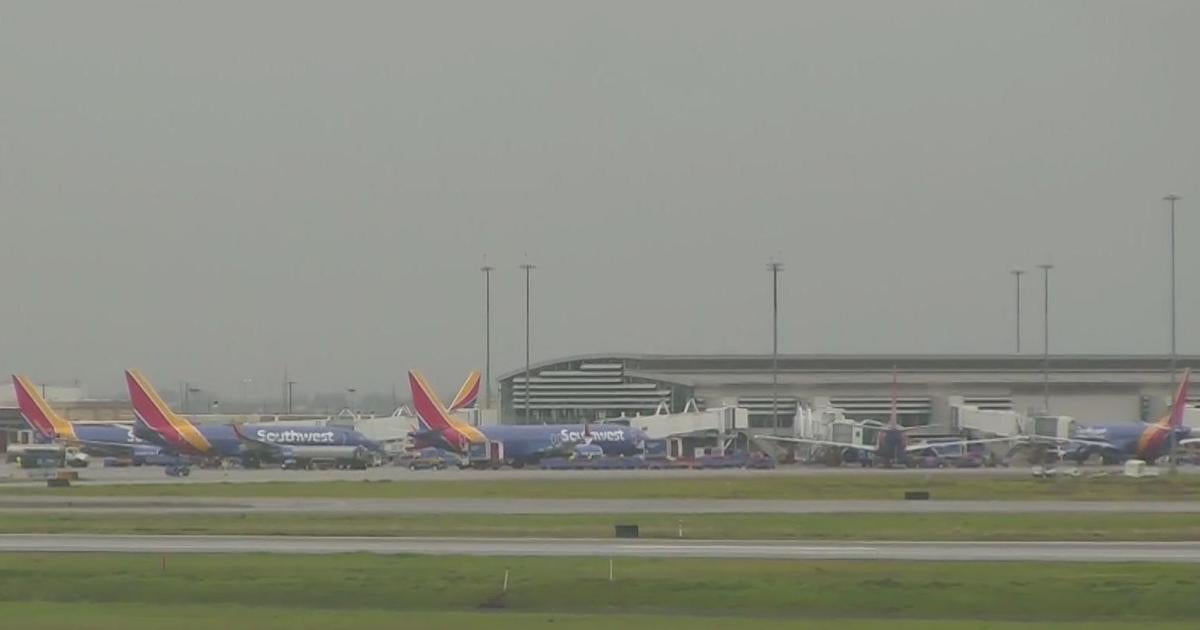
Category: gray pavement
[159,505]
[865,550]
[98,475]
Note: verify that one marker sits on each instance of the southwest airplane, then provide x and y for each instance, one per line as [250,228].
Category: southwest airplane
[891,443]
[523,444]
[93,439]
[251,443]
[1115,443]
[466,396]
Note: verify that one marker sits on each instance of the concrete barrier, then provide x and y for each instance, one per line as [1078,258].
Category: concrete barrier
[625,531]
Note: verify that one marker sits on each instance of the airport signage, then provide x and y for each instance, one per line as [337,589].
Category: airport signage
[607,435]
[291,436]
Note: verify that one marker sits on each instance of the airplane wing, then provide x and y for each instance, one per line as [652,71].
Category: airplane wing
[430,438]
[116,449]
[870,448]
[1070,440]
[256,445]
[557,447]
[924,445]
[1187,441]
[424,434]
[561,448]
[129,447]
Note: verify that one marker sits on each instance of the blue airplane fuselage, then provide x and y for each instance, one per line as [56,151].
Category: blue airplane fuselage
[92,438]
[226,442]
[530,442]
[1131,440]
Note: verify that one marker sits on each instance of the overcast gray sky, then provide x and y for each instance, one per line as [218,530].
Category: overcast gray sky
[212,190]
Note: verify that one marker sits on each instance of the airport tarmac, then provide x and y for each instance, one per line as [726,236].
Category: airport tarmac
[159,505]
[865,550]
[12,475]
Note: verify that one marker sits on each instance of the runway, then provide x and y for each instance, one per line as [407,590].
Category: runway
[210,505]
[151,475]
[764,549]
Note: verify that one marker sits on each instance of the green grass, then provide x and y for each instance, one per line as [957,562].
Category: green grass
[73,616]
[736,486]
[696,526]
[770,588]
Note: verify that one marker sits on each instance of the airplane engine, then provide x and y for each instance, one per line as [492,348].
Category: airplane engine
[325,452]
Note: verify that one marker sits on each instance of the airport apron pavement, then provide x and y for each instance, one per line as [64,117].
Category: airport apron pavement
[159,505]
[1175,552]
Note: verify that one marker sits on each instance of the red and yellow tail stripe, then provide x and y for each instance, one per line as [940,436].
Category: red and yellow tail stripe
[151,410]
[1155,436]
[467,394]
[429,407]
[38,413]
[1179,405]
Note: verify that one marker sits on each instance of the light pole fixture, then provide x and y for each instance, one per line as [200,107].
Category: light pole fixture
[775,268]
[1017,273]
[487,335]
[1171,199]
[1046,267]
[528,268]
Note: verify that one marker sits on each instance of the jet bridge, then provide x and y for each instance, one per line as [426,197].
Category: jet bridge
[719,426]
[1005,423]
[825,423]
[985,423]
[988,422]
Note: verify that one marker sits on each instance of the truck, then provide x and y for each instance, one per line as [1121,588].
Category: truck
[485,454]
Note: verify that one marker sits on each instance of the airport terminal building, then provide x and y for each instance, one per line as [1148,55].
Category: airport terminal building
[1091,388]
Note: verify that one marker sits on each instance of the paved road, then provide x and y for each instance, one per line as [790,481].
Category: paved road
[866,550]
[158,505]
[98,475]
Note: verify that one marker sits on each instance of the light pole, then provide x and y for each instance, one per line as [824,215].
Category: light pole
[775,268]
[350,391]
[528,271]
[1046,267]
[290,385]
[487,336]
[246,390]
[1171,199]
[1017,273]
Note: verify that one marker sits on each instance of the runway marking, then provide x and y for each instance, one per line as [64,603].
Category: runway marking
[1046,551]
[749,548]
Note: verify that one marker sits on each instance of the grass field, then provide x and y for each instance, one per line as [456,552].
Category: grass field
[76,615]
[697,526]
[668,587]
[738,486]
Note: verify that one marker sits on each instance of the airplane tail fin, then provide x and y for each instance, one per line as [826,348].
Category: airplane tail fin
[467,394]
[1179,405]
[433,415]
[427,404]
[152,412]
[37,413]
